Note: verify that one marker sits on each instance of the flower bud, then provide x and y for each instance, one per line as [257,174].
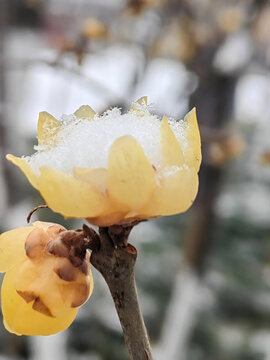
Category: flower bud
[42,289]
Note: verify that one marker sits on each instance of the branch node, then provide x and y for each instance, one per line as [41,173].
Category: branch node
[92,238]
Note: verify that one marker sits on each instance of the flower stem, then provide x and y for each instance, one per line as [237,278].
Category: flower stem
[116,264]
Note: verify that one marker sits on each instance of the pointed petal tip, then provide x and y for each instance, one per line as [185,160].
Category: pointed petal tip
[25,168]
[85,112]
[142,100]
[9,157]
[165,118]
[193,155]
[15,160]
[140,106]
[191,115]
[47,128]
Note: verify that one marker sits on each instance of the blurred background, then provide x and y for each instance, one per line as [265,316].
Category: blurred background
[203,276]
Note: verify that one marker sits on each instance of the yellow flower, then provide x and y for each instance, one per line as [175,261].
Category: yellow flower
[115,168]
[42,289]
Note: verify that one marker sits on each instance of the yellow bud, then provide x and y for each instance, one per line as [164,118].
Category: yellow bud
[42,290]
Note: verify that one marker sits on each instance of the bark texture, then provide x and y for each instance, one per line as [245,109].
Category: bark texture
[115,259]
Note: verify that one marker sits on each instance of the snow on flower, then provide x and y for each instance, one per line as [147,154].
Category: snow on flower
[114,168]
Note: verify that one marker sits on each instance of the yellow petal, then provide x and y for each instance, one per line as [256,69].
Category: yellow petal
[171,150]
[48,127]
[174,194]
[21,319]
[193,154]
[108,219]
[25,168]
[142,100]
[38,281]
[96,177]
[139,107]
[12,249]
[131,178]
[112,212]
[70,197]
[44,225]
[85,112]
[80,291]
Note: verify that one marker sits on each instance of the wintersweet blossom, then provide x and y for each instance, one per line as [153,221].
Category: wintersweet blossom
[44,285]
[114,168]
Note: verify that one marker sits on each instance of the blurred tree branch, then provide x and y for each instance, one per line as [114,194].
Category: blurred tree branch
[3,131]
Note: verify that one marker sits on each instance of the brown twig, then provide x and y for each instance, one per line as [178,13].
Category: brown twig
[115,260]
[34,210]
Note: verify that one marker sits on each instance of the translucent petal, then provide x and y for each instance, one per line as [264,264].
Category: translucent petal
[48,127]
[171,150]
[140,106]
[66,294]
[21,319]
[54,282]
[142,100]
[25,168]
[69,196]
[112,212]
[111,218]
[85,112]
[38,280]
[46,225]
[12,249]
[193,154]
[96,177]
[174,194]
[35,243]
[131,178]
[80,291]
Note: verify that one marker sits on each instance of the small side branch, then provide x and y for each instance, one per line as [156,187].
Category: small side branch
[34,210]
[115,260]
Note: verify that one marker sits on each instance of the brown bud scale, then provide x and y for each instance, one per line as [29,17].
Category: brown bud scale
[28,296]
[66,271]
[39,306]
